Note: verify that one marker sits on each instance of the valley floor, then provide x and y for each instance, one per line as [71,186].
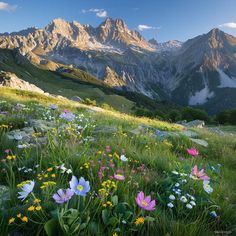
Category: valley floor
[72,169]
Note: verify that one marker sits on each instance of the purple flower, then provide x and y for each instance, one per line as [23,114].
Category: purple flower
[145,202]
[63,196]
[80,187]
[67,116]
[3,112]
[53,106]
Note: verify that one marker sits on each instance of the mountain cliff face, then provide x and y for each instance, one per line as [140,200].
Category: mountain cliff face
[198,72]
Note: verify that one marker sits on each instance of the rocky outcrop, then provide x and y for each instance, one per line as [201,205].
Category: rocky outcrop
[10,80]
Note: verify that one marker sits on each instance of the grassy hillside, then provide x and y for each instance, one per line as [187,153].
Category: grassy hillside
[120,161]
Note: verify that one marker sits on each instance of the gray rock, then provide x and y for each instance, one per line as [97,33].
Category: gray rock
[189,133]
[77,99]
[105,129]
[195,123]
[200,142]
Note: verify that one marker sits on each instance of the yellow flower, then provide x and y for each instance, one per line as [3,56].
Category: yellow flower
[12,220]
[24,219]
[36,200]
[53,175]
[19,215]
[38,208]
[10,157]
[31,208]
[49,169]
[99,153]
[115,234]
[139,221]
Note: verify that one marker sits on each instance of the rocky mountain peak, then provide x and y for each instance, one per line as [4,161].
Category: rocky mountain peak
[59,26]
[153,41]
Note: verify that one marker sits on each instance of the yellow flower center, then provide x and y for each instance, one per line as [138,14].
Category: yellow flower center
[80,187]
[144,203]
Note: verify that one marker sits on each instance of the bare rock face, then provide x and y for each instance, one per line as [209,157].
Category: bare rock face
[10,80]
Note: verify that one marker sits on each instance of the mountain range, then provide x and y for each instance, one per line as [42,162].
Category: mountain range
[200,72]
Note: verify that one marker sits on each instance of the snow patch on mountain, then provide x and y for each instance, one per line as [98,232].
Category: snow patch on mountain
[226,81]
[201,97]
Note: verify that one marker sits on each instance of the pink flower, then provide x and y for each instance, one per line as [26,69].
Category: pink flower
[65,110]
[193,152]
[100,175]
[119,177]
[199,175]
[108,150]
[145,202]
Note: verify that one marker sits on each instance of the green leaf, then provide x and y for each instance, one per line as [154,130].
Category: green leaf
[51,227]
[105,216]
[114,200]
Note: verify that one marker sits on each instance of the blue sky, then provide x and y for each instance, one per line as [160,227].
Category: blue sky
[161,19]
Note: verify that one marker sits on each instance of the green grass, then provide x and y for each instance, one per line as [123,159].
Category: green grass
[149,169]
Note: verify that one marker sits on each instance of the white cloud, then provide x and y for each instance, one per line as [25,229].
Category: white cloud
[231,25]
[7,7]
[147,27]
[99,12]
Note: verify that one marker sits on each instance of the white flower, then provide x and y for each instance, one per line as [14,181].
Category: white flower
[184,181]
[69,171]
[189,206]
[170,205]
[123,158]
[193,203]
[207,187]
[175,172]
[26,190]
[172,197]
[183,199]
[177,185]
[18,137]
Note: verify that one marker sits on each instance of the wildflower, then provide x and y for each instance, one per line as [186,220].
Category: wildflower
[80,187]
[12,220]
[53,107]
[183,199]
[119,177]
[189,206]
[170,205]
[63,196]
[192,203]
[139,221]
[123,158]
[199,175]
[207,187]
[67,116]
[145,202]
[18,215]
[18,137]
[36,200]
[177,185]
[25,219]
[172,197]
[38,208]
[175,172]
[50,169]
[10,157]
[213,214]
[193,152]
[115,234]
[26,190]
[31,208]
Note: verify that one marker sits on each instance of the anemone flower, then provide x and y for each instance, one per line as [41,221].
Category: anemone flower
[119,177]
[26,190]
[207,187]
[123,158]
[63,196]
[199,175]
[193,152]
[80,187]
[145,202]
